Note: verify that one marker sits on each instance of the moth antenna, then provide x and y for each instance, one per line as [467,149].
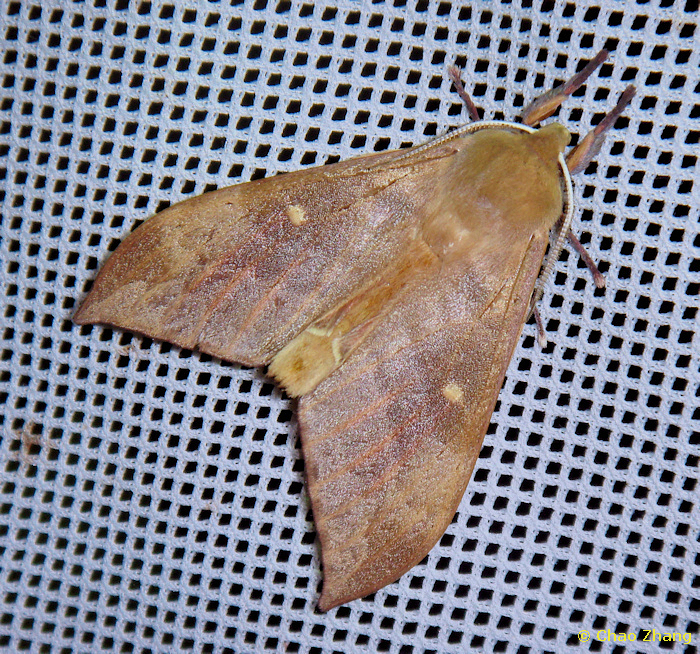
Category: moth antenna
[583,153]
[563,226]
[576,161]
[546,104]
[468,128]
[454,74]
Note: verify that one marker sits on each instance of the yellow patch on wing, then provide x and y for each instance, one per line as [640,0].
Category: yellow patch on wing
[305,361]
[453,393]
[296,215]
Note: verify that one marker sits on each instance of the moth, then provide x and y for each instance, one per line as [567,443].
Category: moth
[387,293]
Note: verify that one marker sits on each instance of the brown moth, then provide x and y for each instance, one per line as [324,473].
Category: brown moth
[387,292]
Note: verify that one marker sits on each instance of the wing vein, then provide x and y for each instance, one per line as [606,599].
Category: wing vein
[385,474]
[377,447]
[384,399]
[360,234]
[207,272]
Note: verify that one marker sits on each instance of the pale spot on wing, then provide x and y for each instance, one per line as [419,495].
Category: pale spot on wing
[318,332]
[335,345]
[296,215]
[453,393]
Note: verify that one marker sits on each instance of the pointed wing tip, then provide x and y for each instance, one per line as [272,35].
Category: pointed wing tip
[82,315]
[91,313]
[333,597]
[326,603]
[333,594]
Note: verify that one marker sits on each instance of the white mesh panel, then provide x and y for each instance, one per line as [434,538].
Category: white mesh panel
[152,499]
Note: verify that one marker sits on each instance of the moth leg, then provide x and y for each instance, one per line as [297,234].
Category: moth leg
[580,157]
[583,153]
[547,103]
[454,74]
[576,161]
[541,336]
[578,246]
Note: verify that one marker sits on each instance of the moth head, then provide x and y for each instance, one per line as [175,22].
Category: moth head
[549,141]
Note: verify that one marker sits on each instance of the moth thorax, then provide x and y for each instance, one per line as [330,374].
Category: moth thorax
[500,184]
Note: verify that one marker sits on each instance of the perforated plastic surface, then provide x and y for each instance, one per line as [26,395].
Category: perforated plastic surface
[152,499]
